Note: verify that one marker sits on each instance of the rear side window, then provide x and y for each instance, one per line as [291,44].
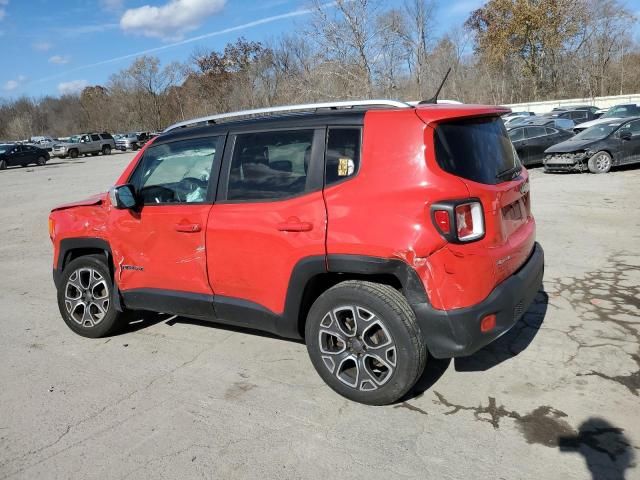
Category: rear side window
[106,136]
[95,138]
[270,165]
[343,154]
[477,149]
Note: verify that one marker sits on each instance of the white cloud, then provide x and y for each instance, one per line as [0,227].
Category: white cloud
[60,59]
[170,21]
[3,8]
[42,46]
[11,85]
[74,86]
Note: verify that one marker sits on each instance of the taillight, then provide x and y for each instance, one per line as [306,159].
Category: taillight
[459,221]
[469,221]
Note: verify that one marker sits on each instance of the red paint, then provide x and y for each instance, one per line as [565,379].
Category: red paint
[248,250]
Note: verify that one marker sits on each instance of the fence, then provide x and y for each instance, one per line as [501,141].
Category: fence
[600,102]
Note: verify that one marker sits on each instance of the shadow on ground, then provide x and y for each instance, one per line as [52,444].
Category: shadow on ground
[512,343]
[606,450]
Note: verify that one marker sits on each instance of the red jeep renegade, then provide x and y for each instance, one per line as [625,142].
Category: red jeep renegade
[377,231]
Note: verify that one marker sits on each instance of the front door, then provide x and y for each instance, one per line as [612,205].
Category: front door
[159,248]
[268,216]
[631,147]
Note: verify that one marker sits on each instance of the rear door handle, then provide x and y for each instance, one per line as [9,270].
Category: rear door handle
[295,225]
[188,227]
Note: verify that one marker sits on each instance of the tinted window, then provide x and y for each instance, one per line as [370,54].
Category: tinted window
[343,154]
[270,165]
[535,132]
[578,115]
[551,131]
[175,172]
[476,149]
[516,134]
[633,127]
[106,136]
[95,138]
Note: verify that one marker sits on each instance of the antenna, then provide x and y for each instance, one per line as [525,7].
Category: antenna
[434,99]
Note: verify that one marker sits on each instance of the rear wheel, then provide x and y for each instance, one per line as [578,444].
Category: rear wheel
[106,150]
[600,163]
[41,161]
[365,343]
[85,298]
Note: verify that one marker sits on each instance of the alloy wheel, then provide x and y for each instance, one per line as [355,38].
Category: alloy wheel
[87,297]
[357,348]
[603,162]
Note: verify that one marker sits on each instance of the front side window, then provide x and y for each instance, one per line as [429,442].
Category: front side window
[176,172]
[516,134]
[343,154]
[533,132]
[270,165]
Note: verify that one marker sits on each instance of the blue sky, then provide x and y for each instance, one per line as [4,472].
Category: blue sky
[48,47]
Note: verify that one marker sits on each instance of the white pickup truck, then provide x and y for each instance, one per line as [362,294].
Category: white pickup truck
[85,144]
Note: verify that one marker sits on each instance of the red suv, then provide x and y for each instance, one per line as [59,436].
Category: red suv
[377,231]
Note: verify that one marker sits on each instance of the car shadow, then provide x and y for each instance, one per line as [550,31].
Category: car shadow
[512,343]
[606,450]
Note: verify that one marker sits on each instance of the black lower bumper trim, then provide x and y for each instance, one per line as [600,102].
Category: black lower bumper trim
[456,333]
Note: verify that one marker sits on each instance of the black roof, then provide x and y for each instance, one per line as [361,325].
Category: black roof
[269,122]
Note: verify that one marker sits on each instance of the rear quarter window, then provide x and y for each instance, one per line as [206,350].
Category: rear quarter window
[477,149]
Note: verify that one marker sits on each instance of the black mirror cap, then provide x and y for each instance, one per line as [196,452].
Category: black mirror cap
[123,197]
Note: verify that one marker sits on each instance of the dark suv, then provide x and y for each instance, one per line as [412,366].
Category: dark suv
[377,231]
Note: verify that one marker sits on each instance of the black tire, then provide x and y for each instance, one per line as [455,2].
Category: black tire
[385,326]
[600,162]
[63,156]
[73,153]
[89,322]
[3,164]
[106,150]
[41,161]
[134,147]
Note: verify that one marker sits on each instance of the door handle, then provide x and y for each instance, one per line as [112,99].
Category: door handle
[295,225]
[188,227]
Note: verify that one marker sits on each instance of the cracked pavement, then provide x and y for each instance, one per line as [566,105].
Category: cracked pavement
[556,397]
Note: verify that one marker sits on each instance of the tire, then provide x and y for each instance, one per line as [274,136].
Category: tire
[600,163]
[41,161]
[135,147]
[106,150]
[3,164]
[342,350]
[63,156]
[101,318]
[73,153]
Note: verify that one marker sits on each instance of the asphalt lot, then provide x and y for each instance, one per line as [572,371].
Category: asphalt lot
[556,398]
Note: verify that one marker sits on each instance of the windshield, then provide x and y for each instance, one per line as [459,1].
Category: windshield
[622,111]
[478,149]
[597,132]
[74,139]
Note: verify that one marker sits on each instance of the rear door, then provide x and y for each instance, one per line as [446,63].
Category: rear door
[269,215]
[159,249]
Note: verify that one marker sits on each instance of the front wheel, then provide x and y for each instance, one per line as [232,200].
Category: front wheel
[365,343]
[85,298]
[3,164]
[600,163]
[41,161]
[73,154]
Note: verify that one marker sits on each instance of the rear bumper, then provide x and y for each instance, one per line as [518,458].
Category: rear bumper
[456,333]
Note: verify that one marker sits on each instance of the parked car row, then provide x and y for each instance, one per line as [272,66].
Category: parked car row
[16,154]
[575,139]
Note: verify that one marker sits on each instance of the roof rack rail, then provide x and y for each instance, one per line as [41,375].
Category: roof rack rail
[288,108]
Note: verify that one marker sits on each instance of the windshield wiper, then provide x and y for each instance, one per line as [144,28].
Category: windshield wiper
[510,173]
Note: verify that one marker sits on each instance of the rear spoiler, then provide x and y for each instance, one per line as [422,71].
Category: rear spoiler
[443,112]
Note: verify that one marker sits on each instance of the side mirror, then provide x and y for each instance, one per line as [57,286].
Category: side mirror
[625,135]
[123,197]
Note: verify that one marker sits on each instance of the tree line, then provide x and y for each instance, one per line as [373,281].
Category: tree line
[507,51]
